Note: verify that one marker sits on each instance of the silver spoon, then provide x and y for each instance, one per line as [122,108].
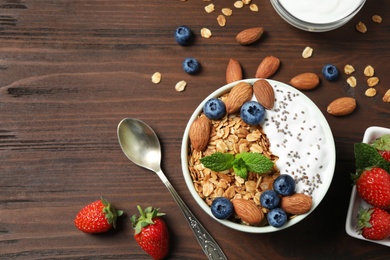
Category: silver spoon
[141,145]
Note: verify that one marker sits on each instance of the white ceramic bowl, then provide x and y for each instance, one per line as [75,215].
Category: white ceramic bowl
[317,16]
[356,202]
[311,139]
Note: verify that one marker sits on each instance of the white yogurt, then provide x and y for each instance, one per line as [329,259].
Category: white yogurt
[320,11]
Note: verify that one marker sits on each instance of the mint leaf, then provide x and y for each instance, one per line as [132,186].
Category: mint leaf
[256,162]
[218,161]
[240,168]
[382,143]
[367,156]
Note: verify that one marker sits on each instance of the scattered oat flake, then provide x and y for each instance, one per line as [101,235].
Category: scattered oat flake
[227,11]
[205,33]
[361,27]
[238,4]
[352,82]
[369,71]
[386,96]
[247,2]
[180,86]
[254,7]
[221,20]
[307,52]
[373,81]
[209,8]
[370,92]
[156,77]
[349,69]
[376,18]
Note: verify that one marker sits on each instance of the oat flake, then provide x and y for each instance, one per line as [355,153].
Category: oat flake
[180,86]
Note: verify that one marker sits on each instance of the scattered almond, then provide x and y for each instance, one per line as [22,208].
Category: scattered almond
[386,96]
[305,81]
[233,71]
[238,95]
[250,35]
[342,106]
[248,211]
[296,204]
[199,133]
[264,93]
[268,66]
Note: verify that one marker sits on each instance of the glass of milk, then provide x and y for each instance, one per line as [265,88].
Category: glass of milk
[317,15]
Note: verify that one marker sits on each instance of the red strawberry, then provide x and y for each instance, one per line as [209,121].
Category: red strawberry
[151,232]
[382,145]
[374,223]
[373,186]
[97,217]
[385,155]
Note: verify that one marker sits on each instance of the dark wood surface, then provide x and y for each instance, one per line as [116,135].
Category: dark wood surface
[71,70]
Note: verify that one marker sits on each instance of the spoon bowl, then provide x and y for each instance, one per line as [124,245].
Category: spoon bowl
[141,145]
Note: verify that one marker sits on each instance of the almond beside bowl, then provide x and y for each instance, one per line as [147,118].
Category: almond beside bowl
[294,133]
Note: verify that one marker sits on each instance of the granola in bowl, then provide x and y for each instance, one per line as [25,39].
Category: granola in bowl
[294,135]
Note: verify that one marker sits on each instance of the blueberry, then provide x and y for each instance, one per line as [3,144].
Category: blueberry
[269,199]
[284,184]
[330,72]
[252,112]
[214,109]
[277,217]
[183,35]
[191,66]
[222,208]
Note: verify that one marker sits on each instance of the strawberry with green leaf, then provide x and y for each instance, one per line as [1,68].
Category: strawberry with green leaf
[151,232]
[97,217]
[242,163]
[374,223]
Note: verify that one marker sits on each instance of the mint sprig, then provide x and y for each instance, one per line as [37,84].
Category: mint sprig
[367,156]
[241,163]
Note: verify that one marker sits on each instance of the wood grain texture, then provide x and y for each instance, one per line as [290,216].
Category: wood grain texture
[71,70]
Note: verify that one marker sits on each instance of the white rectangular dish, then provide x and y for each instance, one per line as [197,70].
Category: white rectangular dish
[356,202]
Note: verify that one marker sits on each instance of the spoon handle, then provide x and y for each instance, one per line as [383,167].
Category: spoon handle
[207,242]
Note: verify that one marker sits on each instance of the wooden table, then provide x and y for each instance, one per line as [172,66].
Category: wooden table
[71,70]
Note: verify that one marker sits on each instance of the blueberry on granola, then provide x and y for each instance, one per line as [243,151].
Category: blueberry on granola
[214,109]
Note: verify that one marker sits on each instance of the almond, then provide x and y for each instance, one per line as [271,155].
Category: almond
[296,204]
[233,71]
[239,94]
[267,67]
[264,93]
[305,81]
[248,211]
[342,106]
[250,35]
[200,133]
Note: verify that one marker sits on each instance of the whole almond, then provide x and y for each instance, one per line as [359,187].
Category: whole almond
[238,95]
[250,35]
[305,81]
[200,133]
[342,106]
[267,67]
[264,93]
[248,211]
[296,204]
[233,71]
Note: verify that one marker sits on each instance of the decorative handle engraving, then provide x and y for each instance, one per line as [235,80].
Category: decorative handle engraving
[206,241]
